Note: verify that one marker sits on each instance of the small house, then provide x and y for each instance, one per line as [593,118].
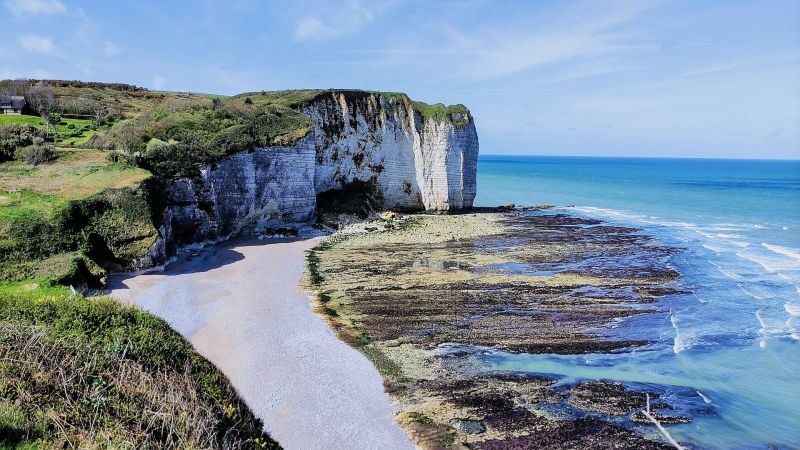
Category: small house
[11,104]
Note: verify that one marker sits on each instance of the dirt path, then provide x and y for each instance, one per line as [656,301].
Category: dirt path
[239,305]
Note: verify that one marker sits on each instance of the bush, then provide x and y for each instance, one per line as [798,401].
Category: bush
[16,136]
[35,154]
[53,119]
[71,126]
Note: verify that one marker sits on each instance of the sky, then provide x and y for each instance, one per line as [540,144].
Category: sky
[682,78]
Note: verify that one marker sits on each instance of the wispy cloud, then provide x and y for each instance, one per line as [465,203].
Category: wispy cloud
[110,48]
[323,20]
[576,41]
[711,69]
[601,35]
[37,44]
[48,7]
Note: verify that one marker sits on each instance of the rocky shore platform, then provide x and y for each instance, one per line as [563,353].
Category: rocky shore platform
[423,295]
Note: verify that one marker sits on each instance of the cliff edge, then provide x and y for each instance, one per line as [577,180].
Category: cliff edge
[364,149]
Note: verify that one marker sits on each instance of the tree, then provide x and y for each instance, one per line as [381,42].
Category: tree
[41,99]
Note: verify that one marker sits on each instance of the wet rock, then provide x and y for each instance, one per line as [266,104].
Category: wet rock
[579,434]
[523,283]
[538,207]
[470,426]
[607,397]
[639,417]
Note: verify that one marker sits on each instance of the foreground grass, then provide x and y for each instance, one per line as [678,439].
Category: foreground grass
[90,373]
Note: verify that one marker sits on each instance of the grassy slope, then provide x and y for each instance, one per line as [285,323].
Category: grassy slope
[90,372]
[47,213]
[94,374]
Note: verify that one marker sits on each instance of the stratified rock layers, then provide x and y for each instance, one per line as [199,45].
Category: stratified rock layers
[377,143]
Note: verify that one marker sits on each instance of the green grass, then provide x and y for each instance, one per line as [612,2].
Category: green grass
[66,136]
[458,115]
[90,373]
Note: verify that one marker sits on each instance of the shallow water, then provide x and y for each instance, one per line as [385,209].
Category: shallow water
[730,349]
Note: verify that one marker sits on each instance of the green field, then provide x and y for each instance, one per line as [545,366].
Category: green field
[64,137]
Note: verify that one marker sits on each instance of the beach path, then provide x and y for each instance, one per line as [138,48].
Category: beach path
[240,305]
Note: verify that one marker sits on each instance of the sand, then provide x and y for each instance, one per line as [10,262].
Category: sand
[239,304]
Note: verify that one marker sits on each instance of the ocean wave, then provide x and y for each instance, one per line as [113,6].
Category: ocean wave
[792,253]
[678,344]
[792,308]
[779,259]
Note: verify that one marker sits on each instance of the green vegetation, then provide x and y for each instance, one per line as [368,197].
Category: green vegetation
[67,133]
[176,137]
[458,115]
[90,373]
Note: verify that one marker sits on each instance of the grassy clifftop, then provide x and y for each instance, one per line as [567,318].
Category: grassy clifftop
[80,196]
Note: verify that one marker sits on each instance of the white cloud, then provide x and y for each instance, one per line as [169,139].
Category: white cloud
[159,82]
[38,44]
[571,41]
[20,7]
[110,48]
[338,20]
[314,29]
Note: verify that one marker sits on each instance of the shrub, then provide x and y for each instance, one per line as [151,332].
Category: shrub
[15,136]
[35,154]
[53,119]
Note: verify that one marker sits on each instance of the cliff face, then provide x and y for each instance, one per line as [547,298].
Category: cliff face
[377,144]
[411,163]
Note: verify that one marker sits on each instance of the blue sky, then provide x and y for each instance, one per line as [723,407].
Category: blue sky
[638,78]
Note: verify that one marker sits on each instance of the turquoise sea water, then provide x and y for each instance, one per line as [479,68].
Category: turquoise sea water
[729,352]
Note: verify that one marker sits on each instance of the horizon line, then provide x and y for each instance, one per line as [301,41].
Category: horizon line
[640,157]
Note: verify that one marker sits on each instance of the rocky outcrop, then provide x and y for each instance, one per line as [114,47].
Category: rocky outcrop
[379,144]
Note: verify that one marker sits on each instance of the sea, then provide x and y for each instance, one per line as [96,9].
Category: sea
[727,350]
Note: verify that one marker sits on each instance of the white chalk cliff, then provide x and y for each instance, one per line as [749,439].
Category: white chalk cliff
[380,143]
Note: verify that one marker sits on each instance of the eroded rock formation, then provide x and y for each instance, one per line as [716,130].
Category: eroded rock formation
[378,144]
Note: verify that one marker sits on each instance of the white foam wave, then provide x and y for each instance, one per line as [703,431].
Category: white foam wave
[792,253]
[677,343]
[726,272]
[779,258]
[793,309]
[758,297]
[705,399]
[712,248]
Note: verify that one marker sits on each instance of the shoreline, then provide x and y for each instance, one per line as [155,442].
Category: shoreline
[424,298]
[240,305]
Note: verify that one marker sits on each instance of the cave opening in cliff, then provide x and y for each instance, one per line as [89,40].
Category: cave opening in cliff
[357,198]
